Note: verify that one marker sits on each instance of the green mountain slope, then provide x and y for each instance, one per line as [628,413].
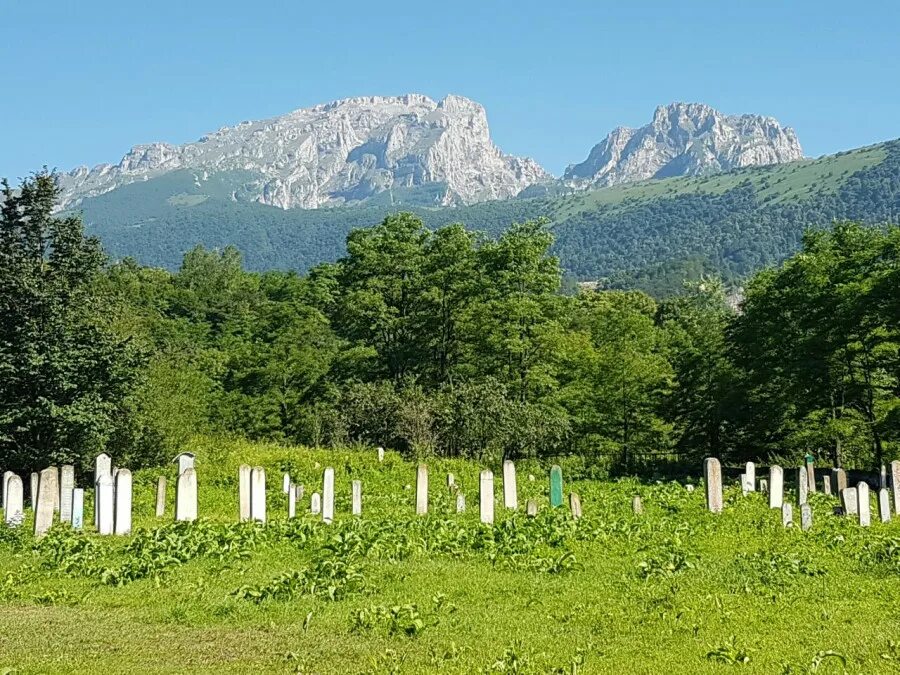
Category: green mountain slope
[646,234]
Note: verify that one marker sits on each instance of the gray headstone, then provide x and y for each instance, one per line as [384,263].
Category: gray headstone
[510,490]
[48,493]
[486,496]
[865,505]
[122,518]
[185,461]
[299,489]
[186,495]
[244,492]
[806,517]
[787,514]
[884,505]
[56,495]
[776,486]
[460,502]
[328,495]
[66,485]
[103,497]
[292,501]
[380,454]
[6,476]
[742,481]
[895,484]
[286,483]
[811,476]
[421,490]
[102,466]
[840,479]
[849,501]
[160,496]
[802,485]
[531,508]
[451,480]
[315,504]
[77,509]
[826,484]
[356,500]
[14,505]
[258,494]
[712,474]
[750,477]
[575,505]
[33,488]
[637,506]
[556,486]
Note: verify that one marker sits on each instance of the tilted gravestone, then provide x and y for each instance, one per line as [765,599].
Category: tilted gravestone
[315,504]
[328,495]
[66,485]
[186,495]
[258,494]
[531,508]
[806,517]
[575,505]
[849,501]
[865,506]
[244,472]
[122,517]
[460,502]
[160,496]
[712,475]
[750,477]
[48,493]
[884,505]
[510,489]
[776,486]
[77,509]
[787,514]
[105,503]
[421,490]
[556,486]
[486,496]
[895,484]
[14,504]
[802,485]
[356,498]
[637,507]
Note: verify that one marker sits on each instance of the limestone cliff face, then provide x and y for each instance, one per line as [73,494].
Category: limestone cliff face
[337,153]
[686,139]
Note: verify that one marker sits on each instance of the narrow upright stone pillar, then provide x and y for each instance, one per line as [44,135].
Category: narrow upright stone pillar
[776,486]
[244,492]
[826,484]
[806,517]
[486,494]
[451,481]
[895,485]
[764,486]
[48,493]
[637,506]
[122,518]
[315,504]
[186,495]
[787,514]
[56,494]
[575,505]
[422,490]
[102,466]
[884,505]
[77,509]
[883,480]
[185,461]
[840,479]
[865,505]
[6,476]
[66,485]
[802,485]
[14,504]
[510,490]
[556,486]
[712,475]
[105,506]
[328,495]
[810,476]
[750,477]
[258,494]
[849,501]
[356,506]
[460,502]
[531,508]
[33,489]
[380,454]
[160,496]
[742,481]
[286,483]
[292,501]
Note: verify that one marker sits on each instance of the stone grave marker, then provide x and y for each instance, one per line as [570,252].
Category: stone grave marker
[6,476]
[356,499]
[105,503]
[764,485]
[244,472]
[56,494]
[328,495]
[380,454]
[33,488]
[102,466]
[451,481]
[712,474]
[14,504]
[826,484]
[486,494]
[531,508]
[810,475]
[510,489]
[460,502]
[884,505]
[575,505]
[77,509]
[787,514]
[286,483]
[66,485]
[258,494]
[186,495]
[48,493]
[776,486]
[883,477]
[637,507]
[849,501]
[865,505]
[806,517]
[556,486]
[750,477]
[185,461]
[122,517]
[292,501]
[839,479]
[421,490]
[802,485]
[315,504]
[895,484]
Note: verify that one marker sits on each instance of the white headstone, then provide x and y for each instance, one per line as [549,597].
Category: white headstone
[77,509]
[575,505]
[451,480]
[186,495]
[102,466]
[802,485]
[292,501]
[35,479]
[380,454]
[776,486]
[66,485]
[787,514]
[895,484]
[103,496]
[742,481]
[185,461]
[48,493]
[14,504]
[712,474]
[357,498]
[750,477]
[6,476]
[884,505]
[315,504]
[637,506]
[244,492]
[258,494]
[161,497]
[510,490]
[849,501]
[806,517]
[460,502]
[56,495]
[328,495]
[865,506]
[286,483]
[764,485]
[486,495]
[299,489]
[122,519]
[421,490]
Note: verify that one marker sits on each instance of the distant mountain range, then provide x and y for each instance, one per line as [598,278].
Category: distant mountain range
[413,150]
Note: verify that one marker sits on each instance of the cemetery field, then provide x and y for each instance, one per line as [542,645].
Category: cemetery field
[673,589]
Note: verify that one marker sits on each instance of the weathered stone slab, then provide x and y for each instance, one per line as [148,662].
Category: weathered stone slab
[486,494]
[328,495]
[510,489]
[77,509]
[802,485]
[160,496]
[292,501]
[102,466]
[451,481]
[787,514]
[750,477]
[556,486]
[895,485]
[380,454]
[66,485]
[122,518]
[826,484]
[286,483]
[849,501]
[883,480]
[865,505]
[531,508]
[575,505]
[712,475]
[258,494]
[14,504]
[806,517]
[764,485]
[299,489]
[33,488]
[48,493]
[56,494]
[884,505]
[356,498]
[105,503]
[460,502]
[6,476]
[839,477]
[776,486]
[185,461]
[244,472]
[315,504]
[421,490]
[637,506]
[810,475]
[186,495]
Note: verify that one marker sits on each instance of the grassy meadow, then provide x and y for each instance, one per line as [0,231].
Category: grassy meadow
[675,589]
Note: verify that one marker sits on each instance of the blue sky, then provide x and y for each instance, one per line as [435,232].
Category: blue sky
[83,81]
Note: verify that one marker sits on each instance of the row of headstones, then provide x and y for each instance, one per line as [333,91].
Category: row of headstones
[855,500]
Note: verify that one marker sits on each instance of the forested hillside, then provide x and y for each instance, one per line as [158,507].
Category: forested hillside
[647,235]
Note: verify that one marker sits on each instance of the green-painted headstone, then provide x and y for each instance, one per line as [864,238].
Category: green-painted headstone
[556,486]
